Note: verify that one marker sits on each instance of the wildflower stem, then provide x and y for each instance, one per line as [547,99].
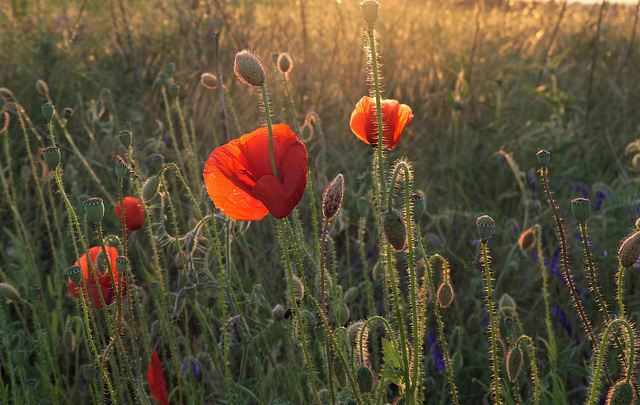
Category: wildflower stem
[325,224]
[534,367]
[593,281]
[493,325]
[267,113]
[376,85]
[620,291]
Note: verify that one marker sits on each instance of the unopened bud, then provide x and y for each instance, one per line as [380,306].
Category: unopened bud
[278,312]
[340,372]
[445,295]
[209,81]
[528,239]
[249,69]
[332,197]
[69,341]
[621,394]
[395,230]
[150,188]
[364,377]
[515,361]
[42,87]
[285,64]
[629,250]
[8,291]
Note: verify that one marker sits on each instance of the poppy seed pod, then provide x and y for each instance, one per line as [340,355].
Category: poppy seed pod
[51,156]
[120,169]
[515,361]
[629,250]
[8,291]
[154,288]
[285,64]
[75,274]
[32,386]
[42,87]
[169,68]
[150,188]
[395,230]
[47,111]
[249,69]
[364,377]
[209,81]
[370,12]
[445,295]
[162,78]
[157,161]
[174,90]
[89,372]
[340,372]
[19,356]
[332,197]
[418,206]
[581,209]
[544,158]
[125,138]
[485,226]
[94,209]
[621,393]
[121,264]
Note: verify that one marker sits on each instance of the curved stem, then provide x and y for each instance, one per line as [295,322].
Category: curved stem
[534,367]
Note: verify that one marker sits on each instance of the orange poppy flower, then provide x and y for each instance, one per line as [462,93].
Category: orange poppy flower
[104,280]
[240,181]
[133,213]
[395,117]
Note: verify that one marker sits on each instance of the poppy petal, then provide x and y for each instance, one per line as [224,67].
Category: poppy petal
[157,383]
[89,285]
[395,117]
[133,213]
[361,123]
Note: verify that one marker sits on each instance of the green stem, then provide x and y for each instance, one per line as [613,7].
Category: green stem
[493,325]
[534,367]
[376,85]
[267,113]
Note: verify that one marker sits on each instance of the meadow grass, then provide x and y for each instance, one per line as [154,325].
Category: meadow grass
[327,305]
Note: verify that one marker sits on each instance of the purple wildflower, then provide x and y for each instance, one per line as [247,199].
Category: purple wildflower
[438,358]
[531,175]
[194,367]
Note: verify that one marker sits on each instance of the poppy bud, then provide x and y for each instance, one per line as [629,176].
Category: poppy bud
[351,295]
[169,68]
[121,169]
[8,291]
[395,230]
[298,288]
[191,291]
[278,312]
[445,295]
[89,372]
[370,12]
[323,395]
[19,356]
[190,111]
[51,157]
[515,361]
[209,81]
[581,209]
[378,272]
[157,161]
[75,274]
[621,393]
[364,377]
[507,301]
[67,112]
[69,341]
[174,90]
[343,314]
[332,197]
[249,69]
[285,64]
[94,209]
[485,226]
[544,158]
[306,132]
[150,188]
[528,239]
[4,121]
[353,331]
[418,206]
[125,138]
[122,263]
[47,111]
[340,372]
[362,205]
[42,87]
[629,250]
[162,78]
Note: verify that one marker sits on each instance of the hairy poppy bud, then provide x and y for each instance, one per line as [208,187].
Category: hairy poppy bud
[515,361]
[209,81]
[8,291]
[42,87]
[69,341]
[285,64]
[67,112]
[507,301]
[528,239]
[75,274]
[340,372]
[125,138]
[418,206]
[395,230]
[353,331]
[378,272]
[121,169]
[298,288]
[343,314]
[94,209]
[362,205]
[157,161]
[364,377]
[370,12]
[249,69]
[485,226]
[351,295]
[150,188]
[278,312]
[445,295]
[544,157]
[169,68]
[306,132]
[629,250]
[332,197]
[51,156]
[620,394]
[581,209]
[47,111]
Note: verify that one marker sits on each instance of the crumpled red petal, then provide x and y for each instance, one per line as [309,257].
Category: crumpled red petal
[395,118]
[91,294]
[157,383]
[133,213]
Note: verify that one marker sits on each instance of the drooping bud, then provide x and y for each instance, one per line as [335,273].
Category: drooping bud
[94,209]
[515,361]
[169,68]
[209,81]
[527,239]
[544,158]
[629,250]
[47,111]
[125,138]
[364,377]
[351,295]
[445,295]
[157,161]
[120,168]
[42,87]
[581,209]
[298,288]
[418,206]
[332,197]
[507,301]
[353,331]
[278,312]
[306,132]
[343,314]
[485,226]
[620,394]
[150,188]
[378,272]
[69,341]
[249,69]
[340,372]
[174,90]
[370,12]
[395,230]
[8,291]
[52,157]
[285,64]
[4,121]
[75,274]
[67,112]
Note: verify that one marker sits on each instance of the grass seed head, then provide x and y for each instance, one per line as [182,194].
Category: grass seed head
[249,69]
[629,250]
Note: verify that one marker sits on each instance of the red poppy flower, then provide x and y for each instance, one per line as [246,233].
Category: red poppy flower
[240,181]
[133,213]
[157,383]
[395,117]
[91,294]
